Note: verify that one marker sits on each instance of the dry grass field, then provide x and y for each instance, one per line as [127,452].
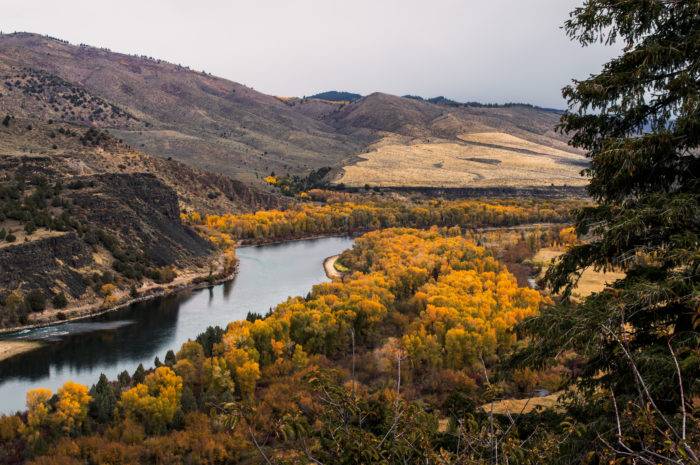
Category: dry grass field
[521,406]
[490,159]
[591,281]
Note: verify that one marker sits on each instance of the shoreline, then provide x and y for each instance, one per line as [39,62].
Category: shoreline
[247,243]
[163,290]
[12,348]
[194,283]
[198,281]
[329,267]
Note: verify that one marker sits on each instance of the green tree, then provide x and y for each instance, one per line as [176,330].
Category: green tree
[170,358]
[124,379]
[59,300]
[139,374]
[36,301]
[639,122]
[104,400]
[212,335]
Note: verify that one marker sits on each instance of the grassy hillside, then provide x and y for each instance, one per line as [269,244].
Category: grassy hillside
[197,118]
[228,128]
[479,160]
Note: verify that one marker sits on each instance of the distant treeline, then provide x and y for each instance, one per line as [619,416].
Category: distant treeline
[452,103]
[337,96]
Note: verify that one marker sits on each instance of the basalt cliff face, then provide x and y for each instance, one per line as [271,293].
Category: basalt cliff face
[109,233]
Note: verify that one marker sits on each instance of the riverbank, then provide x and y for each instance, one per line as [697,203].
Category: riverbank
[9,349]
[260,242]
[329,267]
[185,281]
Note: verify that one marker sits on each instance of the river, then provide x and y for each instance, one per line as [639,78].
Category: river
[120,340]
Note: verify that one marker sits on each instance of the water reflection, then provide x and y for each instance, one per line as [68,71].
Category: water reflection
[121,340]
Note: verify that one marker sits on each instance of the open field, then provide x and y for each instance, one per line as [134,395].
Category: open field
[521,406]
[591,281]
[480,160]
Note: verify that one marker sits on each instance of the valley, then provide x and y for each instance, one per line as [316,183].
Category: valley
[195,272]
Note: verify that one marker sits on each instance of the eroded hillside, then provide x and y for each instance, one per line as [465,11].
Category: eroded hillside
[224,127]
[200,119]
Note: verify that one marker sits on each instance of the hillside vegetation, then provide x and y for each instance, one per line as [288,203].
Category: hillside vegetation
[87,222]
[361,370]
[220,126]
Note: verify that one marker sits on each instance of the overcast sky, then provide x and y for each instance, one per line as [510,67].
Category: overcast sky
[485,50]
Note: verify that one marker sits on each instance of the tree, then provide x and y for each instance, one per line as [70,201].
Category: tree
[104,400]
[72,406]
[139,374]
[639,121]
[124,379]
[212,335]
[247,376]
[36,301]
[59,300]
[37,407]
[155,401]
[170,359]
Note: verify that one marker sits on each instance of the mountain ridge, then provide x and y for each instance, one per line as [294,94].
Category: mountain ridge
[221,126]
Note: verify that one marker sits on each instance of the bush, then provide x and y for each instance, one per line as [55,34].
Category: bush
[30,227]
[59,300]
[10,237]
[35,301]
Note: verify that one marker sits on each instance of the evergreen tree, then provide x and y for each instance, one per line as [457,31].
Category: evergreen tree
[139,374]
[212,335]
[170,358]
[188,403]
[104,400]
[124,379]
[639,122]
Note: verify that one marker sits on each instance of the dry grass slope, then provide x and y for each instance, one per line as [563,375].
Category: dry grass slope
[591,281]
[491,159]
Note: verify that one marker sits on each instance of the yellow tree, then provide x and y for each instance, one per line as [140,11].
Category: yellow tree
[155,401]
[72,406]
[247,375]
[38,413]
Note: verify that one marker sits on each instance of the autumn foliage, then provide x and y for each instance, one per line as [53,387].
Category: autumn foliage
[432,295]
[346,216]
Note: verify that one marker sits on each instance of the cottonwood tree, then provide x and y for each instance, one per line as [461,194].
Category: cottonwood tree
[638,119]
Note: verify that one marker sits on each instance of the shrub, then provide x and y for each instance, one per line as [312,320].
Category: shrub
[35,301]
[59,300]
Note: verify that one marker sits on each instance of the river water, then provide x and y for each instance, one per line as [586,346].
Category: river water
[120,340]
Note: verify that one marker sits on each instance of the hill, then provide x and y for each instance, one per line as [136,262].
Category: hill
[421,144]
[79,210]
[220,126]
[336,96]
[202,120]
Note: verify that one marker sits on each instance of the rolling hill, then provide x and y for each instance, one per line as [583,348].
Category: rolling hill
[220,126]
[202,120]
